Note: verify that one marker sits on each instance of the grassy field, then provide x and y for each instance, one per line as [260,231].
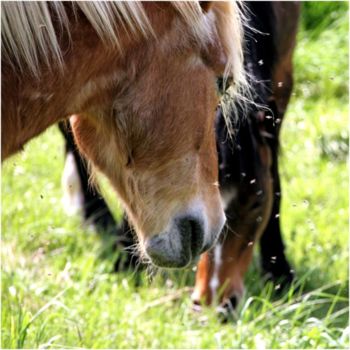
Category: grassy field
[57,287]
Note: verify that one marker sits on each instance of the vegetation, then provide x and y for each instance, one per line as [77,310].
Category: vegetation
[57,286]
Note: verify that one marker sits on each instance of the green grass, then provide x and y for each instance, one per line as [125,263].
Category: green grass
[57,286]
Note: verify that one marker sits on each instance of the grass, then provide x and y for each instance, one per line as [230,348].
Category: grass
[57,287]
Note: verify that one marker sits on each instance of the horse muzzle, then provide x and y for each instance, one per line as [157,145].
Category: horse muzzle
[181,245]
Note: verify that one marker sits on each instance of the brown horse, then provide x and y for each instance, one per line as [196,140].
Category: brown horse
[248,168]
[249,177]
[138,84]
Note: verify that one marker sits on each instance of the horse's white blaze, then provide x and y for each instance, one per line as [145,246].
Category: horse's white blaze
[214,282]
[73,199]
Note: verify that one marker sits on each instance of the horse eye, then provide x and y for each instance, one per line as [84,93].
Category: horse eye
[219,85]
[130,159]
[222,85]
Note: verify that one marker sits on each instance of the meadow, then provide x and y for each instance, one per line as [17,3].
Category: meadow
[58,289]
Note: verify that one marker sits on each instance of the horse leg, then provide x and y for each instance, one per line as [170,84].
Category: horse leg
[220,273]
[273,259]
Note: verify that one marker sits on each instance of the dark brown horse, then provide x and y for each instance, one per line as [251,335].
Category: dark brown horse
[249,178]
[248,165]
[137,81]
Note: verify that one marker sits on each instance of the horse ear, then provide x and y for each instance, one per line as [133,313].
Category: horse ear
[205,5]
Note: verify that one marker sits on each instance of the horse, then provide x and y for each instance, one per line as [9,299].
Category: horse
[138,83]
[249,177]
[248,168]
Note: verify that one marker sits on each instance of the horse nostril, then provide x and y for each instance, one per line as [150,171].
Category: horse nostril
[177,247]
[197,237]
[192,234]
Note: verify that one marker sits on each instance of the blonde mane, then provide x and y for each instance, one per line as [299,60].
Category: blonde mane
[28,33]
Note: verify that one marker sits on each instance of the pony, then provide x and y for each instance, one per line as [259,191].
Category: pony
[249,177]
[138,83]
[248,168]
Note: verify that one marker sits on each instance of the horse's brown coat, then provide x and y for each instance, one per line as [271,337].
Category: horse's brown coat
[143,115]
